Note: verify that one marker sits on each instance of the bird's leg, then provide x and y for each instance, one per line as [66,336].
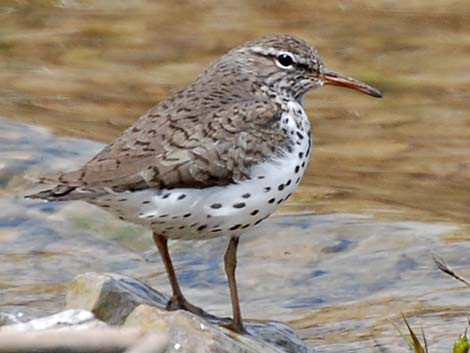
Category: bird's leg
[230,260]
[177,300]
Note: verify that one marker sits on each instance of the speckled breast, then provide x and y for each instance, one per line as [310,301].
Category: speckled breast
[185,213]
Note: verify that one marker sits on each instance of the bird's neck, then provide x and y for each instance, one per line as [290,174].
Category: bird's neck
[279,96]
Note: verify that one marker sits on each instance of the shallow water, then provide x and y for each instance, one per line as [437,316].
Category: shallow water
[387,185]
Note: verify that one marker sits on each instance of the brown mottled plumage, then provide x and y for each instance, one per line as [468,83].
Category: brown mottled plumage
[218,157]
[188,146]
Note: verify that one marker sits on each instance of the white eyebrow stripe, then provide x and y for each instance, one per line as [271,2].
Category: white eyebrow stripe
[277,52]
[273,52]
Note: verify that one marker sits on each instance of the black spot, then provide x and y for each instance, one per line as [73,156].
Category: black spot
[236,226]
[288,182]
[272,200]
[288,196]
[201,227]
[140,214]
[280,187]
[124,199]
[216,205]
[150,216]
[209,216]
[279,201]
[239,205]
[105,206]
[245,226]
[187,215]
[166,195]
[168,228]
[267,189]
[193,225]
[300,136]
[181,227]
[163,216]
[174,217]
[258,221]
[121,218]
[301,155]
[254,213]
[144,203]
[297,181]
[246,196]
[182,196]
[216,230]
[297,168]
[303,164]
[261,177]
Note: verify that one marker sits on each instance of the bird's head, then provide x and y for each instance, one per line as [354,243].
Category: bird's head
[291,66]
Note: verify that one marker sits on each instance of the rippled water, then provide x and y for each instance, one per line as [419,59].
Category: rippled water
[387,186]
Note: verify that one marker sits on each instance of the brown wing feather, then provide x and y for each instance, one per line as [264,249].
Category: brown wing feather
[182,149]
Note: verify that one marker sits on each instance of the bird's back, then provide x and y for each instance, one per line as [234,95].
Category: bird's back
[209,134]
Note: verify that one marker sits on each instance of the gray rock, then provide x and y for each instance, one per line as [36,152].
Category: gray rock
[111,297]
[117,299]
[190,333]
[8,319]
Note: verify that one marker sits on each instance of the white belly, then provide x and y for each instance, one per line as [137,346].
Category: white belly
[185,213]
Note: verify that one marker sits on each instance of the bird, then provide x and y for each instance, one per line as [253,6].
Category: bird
[214,159]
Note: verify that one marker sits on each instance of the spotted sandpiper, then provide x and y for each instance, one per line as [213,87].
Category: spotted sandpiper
[216,158]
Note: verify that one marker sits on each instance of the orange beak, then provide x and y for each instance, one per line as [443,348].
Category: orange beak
[335,79]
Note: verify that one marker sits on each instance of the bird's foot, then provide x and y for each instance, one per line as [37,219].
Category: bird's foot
[180,303]
[234,326]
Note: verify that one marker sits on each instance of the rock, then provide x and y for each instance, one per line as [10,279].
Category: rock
[190,333]
[280,335]
[8,319]
[118,299]
[64,319]
[111,297]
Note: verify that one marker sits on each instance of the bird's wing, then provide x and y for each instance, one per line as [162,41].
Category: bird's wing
[182,149]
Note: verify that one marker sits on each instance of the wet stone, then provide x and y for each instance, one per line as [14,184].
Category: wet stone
[121,300]
[111,297]
[8,319]
[191,333]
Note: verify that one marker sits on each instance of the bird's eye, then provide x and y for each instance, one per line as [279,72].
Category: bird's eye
[285,60]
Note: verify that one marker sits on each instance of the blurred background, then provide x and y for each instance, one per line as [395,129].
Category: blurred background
[390,177]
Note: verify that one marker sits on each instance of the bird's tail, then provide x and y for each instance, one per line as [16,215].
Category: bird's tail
[68,193]
[57,193]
